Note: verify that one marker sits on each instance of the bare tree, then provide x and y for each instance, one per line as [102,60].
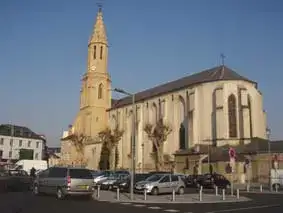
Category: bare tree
[158,135]
[111,139]
[78,140]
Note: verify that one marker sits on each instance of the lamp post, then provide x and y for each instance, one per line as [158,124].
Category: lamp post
[268,133]
[133,159]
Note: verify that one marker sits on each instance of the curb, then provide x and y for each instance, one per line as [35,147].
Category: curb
[174,202]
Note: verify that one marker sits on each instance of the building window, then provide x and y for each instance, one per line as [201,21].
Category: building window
[37,144]
[94,52]
[101,52]
[100,91]
[232,113]
[36,156]
[20,143]
[1,141]
[1,153]
[29,143]
[10,154]
[11,142]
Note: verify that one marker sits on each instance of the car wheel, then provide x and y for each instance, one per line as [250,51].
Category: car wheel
[181,190]
[35,190]
[154,191]
[60,195]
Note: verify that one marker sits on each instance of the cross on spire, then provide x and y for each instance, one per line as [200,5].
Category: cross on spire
[99,5]
[222,56]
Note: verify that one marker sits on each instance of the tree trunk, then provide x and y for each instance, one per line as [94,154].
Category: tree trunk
[160,159]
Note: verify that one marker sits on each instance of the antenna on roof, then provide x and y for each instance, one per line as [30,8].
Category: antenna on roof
[222,56]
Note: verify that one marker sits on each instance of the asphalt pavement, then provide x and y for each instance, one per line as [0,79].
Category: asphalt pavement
[25,202]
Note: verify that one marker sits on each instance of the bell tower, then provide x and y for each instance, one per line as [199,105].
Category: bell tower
[95,97]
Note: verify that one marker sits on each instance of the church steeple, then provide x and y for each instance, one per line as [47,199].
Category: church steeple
[99,31]
[98,47]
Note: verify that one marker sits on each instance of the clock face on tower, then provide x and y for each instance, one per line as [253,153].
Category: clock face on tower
[93,68]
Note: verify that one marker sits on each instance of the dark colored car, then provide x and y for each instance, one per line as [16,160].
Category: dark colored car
[190,180]
[212,180]
[15,180]
[124,184]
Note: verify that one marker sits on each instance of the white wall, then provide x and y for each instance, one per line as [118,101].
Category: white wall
[198,100]
[35,144]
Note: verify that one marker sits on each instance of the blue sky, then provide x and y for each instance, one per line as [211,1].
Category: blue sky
[43,50]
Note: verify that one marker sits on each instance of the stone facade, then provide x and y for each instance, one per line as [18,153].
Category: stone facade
[220,111]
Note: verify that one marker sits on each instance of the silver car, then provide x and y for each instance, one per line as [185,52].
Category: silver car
[64,181]
[161,183]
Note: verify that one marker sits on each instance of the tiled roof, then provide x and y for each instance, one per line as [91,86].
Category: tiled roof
[18,131]
[219,73]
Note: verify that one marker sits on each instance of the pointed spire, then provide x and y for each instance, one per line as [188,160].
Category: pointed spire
[99,31]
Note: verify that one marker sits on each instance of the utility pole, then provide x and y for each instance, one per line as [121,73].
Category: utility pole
[268,133]
[133,144]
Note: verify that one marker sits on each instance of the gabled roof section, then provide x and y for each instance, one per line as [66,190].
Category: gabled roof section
[18,131]
[220,73]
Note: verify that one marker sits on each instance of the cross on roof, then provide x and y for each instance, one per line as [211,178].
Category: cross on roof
[222,56]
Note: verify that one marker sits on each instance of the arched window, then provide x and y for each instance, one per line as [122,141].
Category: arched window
[101,52]
[232,113]
[94,52]
[100,91]
[182,137]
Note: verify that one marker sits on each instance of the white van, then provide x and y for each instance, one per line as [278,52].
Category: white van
[26,165]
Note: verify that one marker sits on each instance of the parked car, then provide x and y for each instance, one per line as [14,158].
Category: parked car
[124,184]
[64,181]
[110,181]
[191,180]
[15,180]
[213,180]
[161,183]
[99,177]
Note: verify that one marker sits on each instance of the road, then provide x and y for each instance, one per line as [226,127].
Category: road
[19,202]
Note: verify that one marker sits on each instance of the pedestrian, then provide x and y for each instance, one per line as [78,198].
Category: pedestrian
[210,169]
[32,172]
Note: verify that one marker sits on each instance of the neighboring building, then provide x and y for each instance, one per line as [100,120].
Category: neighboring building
[54,154]
[214,107]
[14,138]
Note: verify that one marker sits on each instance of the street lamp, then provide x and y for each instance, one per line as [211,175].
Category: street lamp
[268,133]
[133,162]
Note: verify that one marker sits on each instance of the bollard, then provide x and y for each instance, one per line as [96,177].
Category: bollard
[232,190]
[261,188]
[276,188]
[118,194]
[238,194]
[216,190]
[200,194]
[201,187]
[223,194]
[144,194]
[173,195]
[248,187]
[98,191]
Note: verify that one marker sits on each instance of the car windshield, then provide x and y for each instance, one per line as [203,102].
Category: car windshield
[80,173]
[154,178]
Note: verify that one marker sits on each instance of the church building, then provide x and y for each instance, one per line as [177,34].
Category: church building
[214,107]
